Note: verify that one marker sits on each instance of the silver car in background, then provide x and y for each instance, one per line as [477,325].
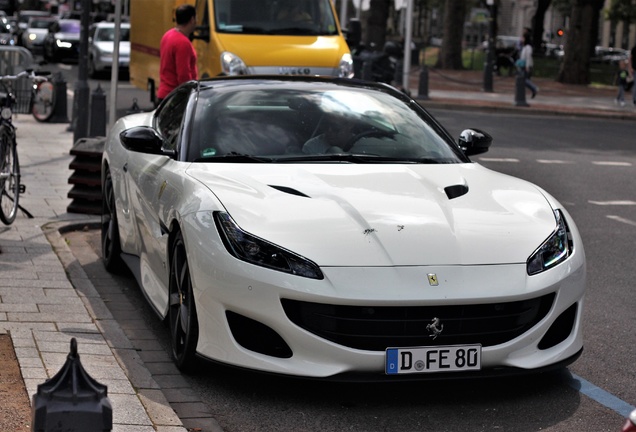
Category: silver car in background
[102,44]
[36,31]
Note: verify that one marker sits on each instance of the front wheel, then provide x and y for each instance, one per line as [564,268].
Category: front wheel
[184,326]
[44,101]
[9,176]
[111,246]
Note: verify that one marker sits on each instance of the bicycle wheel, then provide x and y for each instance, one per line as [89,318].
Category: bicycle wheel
[43,101]
[9,177]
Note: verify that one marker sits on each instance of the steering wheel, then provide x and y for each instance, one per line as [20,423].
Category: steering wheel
[366,134]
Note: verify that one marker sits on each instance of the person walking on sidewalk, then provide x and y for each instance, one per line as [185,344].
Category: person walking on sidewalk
[525,64]
[177,57]
[621,81]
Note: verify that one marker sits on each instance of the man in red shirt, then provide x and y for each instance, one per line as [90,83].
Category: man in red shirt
[178,59]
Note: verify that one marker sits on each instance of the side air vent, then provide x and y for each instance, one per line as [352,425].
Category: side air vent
[288,190]
[455,191]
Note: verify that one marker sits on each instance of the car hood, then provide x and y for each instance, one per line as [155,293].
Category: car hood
[385,215]
[109,47]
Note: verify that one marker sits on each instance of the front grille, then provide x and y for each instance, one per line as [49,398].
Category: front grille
[375,328]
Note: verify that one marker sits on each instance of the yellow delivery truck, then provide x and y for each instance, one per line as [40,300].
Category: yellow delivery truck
[244,37]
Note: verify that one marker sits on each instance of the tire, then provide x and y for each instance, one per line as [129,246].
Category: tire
[111,246]
[182,313]
[9,176]
[44,101]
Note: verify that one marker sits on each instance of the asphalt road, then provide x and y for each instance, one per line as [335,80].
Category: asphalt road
[590,166]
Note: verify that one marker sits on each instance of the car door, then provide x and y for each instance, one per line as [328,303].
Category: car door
[152,179]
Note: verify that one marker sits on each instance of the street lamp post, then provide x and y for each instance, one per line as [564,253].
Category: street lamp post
[490,52]
[81,96]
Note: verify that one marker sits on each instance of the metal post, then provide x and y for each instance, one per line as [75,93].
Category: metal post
[520,89]
[490,53]
[408,38]
[422,92]
[60,107]
[81,95]
[98,112]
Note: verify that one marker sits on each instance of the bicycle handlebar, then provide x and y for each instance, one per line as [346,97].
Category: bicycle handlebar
[29,73]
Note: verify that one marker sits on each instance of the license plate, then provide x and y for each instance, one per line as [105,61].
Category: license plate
[451,358]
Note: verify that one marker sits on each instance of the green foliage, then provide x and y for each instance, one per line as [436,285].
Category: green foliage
[621,10]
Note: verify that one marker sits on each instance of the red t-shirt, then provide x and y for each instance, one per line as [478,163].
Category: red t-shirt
[178,62]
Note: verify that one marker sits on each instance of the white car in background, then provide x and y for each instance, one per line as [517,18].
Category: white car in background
[102,45]
[36,31]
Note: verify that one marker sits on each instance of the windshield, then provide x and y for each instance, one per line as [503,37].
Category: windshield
[292,122]
[275,17]
[108,35]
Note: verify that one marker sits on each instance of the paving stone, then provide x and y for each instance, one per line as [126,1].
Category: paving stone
[155,403]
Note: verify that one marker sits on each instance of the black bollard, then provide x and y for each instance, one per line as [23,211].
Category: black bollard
[520,90]
[135,108]
[98,113]
[422,90]
[60,106]
[71,401]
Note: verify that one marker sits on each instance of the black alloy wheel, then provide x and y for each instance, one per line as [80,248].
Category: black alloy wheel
[184,326]
[111,246]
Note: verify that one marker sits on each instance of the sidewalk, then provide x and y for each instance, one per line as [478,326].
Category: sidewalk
[46,298]
[464,90]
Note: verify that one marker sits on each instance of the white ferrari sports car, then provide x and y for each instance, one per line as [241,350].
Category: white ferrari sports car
[331,228]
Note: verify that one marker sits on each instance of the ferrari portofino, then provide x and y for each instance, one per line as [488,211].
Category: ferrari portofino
[332,228]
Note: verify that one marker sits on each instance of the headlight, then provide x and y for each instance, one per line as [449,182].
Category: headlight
[63,44]
[556,249]
[232,64]
[32,36]
[346,66]
[254,250]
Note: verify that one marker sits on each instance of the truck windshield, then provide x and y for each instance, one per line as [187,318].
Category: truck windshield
[275,17]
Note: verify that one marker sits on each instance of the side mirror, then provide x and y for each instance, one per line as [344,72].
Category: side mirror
[474,142]
[202,33]
[144,139]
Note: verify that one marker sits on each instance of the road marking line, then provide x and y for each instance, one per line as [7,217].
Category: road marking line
[613,203]
[550,161]
[610,163]
[601,396]
[499,159]
[620,219]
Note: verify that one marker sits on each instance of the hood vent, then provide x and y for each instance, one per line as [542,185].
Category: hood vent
[455,191]
[289,190]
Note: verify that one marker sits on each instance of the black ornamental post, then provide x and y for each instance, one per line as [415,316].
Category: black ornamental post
[71,401]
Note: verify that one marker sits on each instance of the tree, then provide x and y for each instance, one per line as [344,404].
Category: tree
[450,56]
[537,24]
[580,41]
[621,11]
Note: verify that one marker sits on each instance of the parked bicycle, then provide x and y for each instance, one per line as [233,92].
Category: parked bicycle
[17,95]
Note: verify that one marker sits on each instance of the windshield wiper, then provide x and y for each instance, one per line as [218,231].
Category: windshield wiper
[234,157]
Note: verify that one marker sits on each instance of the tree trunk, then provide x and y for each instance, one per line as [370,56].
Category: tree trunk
[377,23]
[450,56]
[580,42]
[537,25]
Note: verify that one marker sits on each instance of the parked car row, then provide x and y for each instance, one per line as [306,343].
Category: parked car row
[58,39]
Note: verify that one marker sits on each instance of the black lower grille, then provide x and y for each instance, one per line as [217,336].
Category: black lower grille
[375,328]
